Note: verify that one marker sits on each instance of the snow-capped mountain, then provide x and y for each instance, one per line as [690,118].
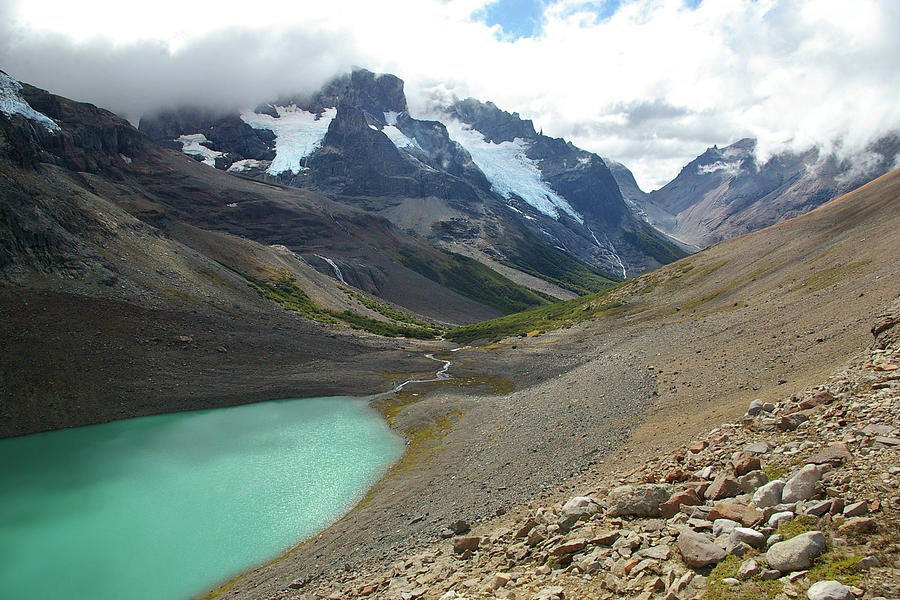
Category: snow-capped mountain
[473,178]
[726,192]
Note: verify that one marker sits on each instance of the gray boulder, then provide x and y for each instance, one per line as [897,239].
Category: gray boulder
[801,486]
[752,481]
[829,590]
[637,500]
[769,494]
[698,551]
[580,507]
[748,536]
[796,553]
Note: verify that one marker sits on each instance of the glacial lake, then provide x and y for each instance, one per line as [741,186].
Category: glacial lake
[168,507]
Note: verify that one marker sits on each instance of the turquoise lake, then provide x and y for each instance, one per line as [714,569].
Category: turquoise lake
[167,507]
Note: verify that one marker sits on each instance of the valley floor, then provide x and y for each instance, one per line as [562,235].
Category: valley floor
[690,347]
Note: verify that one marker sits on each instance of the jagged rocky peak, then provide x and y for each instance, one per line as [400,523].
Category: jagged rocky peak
[495,124]
[731,161]
[375,94]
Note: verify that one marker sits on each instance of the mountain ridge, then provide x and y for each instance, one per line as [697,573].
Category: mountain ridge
[726,192]
[375,154]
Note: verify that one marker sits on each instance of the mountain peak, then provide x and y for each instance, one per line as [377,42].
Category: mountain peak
[495,124]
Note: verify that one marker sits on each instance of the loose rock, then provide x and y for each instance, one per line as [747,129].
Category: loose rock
[698,551]
[796,553]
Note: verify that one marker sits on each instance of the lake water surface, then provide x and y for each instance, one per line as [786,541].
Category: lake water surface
[166,507]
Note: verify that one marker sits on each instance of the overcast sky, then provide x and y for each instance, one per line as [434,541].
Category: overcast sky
[650,83]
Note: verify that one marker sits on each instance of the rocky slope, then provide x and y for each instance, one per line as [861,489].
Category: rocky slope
[800,497]
[760,316]
[475,177]
[727,191]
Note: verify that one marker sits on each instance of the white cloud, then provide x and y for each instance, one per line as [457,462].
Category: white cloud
[652,85]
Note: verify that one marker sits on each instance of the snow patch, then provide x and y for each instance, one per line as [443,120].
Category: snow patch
[192,144]
[12,103]
[245,165]
[298,133]
[399,138]
[730,168]
[510,171]
[390,117]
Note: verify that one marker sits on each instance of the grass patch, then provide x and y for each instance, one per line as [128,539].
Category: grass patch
[774,472]
[839,567]
[471,279]
[531,255]
[752,588]
[285,291]
[536,320]
[796,526]
[425,440]
[183,297]
[700,300]
[663,252]
[383,309]
[827,277]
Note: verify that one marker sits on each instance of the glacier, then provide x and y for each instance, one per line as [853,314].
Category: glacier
[510,171]
[244,165]
[193,144]
[12,103]
[399,138]
[298,133]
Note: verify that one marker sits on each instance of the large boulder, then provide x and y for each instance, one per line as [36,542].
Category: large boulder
[769,494]
[724,486]
[829,590]
[637,500]
[736,512]
[797,553]
[801,486]
[698,551]
[580,507]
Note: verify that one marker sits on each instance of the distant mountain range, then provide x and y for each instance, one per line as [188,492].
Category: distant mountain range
[726,192]
[476,179]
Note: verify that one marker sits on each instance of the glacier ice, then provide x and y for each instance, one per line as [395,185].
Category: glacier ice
[510,171]
[298,133]
[192,143]
[399,138]
[12,103]
[240,166]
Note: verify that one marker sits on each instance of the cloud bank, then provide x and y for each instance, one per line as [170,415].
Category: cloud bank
[651,83]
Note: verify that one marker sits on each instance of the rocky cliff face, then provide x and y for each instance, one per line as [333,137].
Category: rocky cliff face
[474,165]
[726,192]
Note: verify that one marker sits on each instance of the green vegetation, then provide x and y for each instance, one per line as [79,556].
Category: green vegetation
[470,278]
[532,256]
[383,309]
[752,588]
[826,277]
[539,319]
[425,440]
[285,291]
[839,567]
[796,526]
[774,471]
[664,252]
